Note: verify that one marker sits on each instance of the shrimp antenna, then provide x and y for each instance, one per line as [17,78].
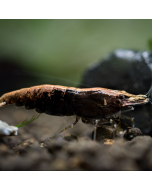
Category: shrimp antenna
[148,93]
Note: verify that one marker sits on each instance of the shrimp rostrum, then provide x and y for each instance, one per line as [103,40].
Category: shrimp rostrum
[92,105]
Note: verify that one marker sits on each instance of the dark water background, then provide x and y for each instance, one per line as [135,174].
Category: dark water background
[63,49]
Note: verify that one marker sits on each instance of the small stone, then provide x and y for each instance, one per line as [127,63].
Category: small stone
[131,133]
[104,132]
[108,141]
[7,130]
[70,138]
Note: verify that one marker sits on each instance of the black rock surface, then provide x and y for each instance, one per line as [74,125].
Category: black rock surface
[125,70]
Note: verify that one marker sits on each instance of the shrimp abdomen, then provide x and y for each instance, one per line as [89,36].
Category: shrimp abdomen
[49,99]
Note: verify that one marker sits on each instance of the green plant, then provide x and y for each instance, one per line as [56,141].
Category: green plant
[25,122]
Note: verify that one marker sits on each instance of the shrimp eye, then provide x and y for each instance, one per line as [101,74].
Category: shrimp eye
[121,96]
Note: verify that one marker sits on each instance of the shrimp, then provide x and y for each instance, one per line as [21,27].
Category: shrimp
[92,105]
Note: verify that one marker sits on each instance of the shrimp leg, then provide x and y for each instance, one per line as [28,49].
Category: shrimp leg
[95,129]
[68,127]
[129,109]
[129,118]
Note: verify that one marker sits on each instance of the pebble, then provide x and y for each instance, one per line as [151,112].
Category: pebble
[6,130]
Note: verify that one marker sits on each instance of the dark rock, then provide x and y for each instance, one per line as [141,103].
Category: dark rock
[138,148]
[131,133]
[104,132]
[5,151]
[125,70]
[121,70]
[54,146]
[25,146]
[70,138]
[87,147]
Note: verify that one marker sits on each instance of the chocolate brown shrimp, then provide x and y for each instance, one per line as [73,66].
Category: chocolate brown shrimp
[92,105]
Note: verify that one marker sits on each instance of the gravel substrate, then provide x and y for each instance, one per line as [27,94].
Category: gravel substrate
[66,152]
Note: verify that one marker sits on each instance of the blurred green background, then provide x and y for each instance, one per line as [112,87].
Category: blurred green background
[59,51]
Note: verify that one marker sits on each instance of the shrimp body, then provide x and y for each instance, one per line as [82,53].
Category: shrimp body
[95,103]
